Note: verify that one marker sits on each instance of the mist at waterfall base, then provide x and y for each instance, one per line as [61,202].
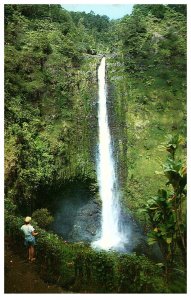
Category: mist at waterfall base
[78,218]
[114,235]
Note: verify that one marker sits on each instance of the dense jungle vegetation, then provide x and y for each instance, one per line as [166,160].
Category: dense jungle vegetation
[51,59]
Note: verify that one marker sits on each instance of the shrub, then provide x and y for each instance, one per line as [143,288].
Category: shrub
[79,268]
[43,217]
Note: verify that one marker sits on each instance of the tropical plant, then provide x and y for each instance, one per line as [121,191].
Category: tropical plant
[167,210]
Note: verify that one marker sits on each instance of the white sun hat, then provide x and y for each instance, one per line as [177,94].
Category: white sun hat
[27,219]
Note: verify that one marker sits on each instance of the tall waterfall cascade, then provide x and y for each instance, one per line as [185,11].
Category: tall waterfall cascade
[112,236]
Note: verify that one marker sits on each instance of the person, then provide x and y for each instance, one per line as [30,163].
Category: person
[29,235]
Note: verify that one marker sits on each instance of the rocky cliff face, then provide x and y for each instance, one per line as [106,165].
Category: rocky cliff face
[70,206]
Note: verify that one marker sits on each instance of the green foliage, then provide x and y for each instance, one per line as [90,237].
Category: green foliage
[167,211]
[154,37]
[50,129]
[47,88]
[149,64]
[79,268]
[112,272]
[9,207]
[134,269]
[42,217]
[145,97]
[96,31]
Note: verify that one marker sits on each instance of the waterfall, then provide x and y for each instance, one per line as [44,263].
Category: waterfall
[112,236]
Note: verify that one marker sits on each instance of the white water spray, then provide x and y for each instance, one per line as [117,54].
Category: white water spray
[111,235]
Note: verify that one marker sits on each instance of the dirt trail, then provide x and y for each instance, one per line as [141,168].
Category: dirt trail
[22,276]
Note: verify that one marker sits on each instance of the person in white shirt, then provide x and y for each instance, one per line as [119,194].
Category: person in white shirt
[29,235]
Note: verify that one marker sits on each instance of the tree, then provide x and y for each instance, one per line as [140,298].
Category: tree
[154,43]
[181,8]
[157,10]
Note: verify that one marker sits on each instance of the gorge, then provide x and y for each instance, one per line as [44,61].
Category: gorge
[99,143]
[78,216]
